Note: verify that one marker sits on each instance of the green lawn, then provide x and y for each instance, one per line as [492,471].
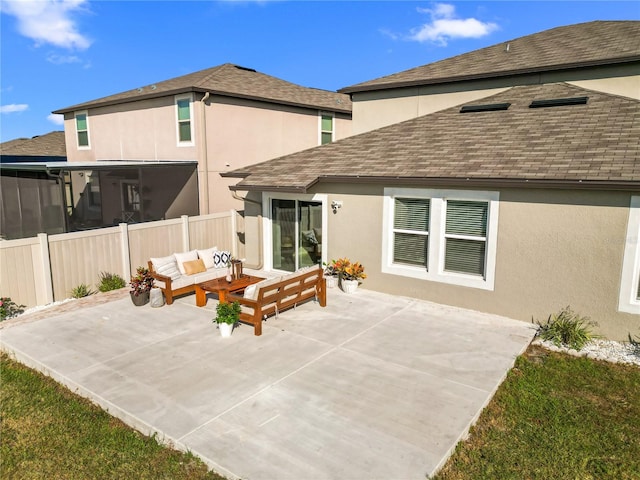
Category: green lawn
[48,432]
[556,417]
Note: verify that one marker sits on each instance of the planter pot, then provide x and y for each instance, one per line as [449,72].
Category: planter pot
[225,329]
[332,281]
[156,298]
[139,300]
[349,286]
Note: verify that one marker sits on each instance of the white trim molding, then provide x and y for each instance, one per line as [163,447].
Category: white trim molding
[267,244]
[436,236]
[628,301]
[75,125]
[186,143]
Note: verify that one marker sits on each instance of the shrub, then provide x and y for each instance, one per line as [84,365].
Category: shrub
[9,308]
[81,290]
[110,281]
[567,328]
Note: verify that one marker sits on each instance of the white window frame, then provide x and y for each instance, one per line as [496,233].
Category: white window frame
[333,125]
[627,301]
[188,143]
[437,229]
[75,125]
[267,225]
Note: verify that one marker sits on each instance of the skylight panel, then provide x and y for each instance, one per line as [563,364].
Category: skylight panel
[559,102]
[485,108]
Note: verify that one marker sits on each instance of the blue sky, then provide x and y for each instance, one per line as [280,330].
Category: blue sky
[57,53]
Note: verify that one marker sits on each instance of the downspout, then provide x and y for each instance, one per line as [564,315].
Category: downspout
[205,156]
[60,180]
[255,202]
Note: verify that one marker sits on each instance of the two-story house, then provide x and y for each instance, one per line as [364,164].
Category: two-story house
[157,151]
[505,180]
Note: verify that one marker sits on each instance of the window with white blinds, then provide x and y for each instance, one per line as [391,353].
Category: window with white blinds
[447,236]
[465,237]
[411,231]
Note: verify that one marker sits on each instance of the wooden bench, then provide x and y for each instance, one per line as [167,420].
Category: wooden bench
[275,295]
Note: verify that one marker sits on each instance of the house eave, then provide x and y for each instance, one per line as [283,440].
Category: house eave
[489,75]
[169,93]
[572,184]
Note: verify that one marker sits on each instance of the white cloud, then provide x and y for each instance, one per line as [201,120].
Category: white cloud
[14,107]
[62,59]
[445,26]
[56,118]
[48,21]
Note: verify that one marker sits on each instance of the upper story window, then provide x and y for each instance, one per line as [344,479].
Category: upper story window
[629,300]
[447,236]
[326,128]
[185,124]
[82,129]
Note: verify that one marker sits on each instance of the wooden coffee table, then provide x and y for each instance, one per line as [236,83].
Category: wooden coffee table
[221,287]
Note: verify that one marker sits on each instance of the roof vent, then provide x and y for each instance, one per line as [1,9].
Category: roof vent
[153,87]
[491,107]
[244,68]
[559,102]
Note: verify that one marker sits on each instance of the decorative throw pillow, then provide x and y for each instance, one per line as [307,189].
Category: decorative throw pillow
[185,257]
[194,266]
[310,237]
[166,266]
[220,259]
[250,292]
[207,256]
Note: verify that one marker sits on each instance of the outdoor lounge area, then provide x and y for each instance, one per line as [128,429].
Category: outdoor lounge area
[371,386]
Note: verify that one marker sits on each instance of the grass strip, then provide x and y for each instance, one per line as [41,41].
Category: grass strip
[47,432]
[559,417]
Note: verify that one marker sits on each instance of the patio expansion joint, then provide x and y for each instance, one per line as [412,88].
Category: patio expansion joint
[335,348]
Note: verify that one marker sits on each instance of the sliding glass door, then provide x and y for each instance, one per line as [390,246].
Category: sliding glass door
[296,234]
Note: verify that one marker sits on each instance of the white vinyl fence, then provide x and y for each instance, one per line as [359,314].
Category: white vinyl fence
[40,270]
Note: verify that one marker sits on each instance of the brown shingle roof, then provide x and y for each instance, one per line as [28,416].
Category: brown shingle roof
[231,80]
[51,144]
[583,44]
[596,144]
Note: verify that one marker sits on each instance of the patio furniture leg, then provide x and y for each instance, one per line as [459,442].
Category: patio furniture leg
[168,296]
[201,297]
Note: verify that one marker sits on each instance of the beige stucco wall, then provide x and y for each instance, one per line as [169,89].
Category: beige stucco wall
[143,130]
[373,110]
[244,132]
[555,248]
[228,133]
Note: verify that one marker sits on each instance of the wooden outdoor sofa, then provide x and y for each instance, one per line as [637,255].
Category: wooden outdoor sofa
[274,295]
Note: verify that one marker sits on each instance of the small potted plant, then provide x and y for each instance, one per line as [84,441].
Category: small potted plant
[350,274]
[330,274]
[141,284]
[227,315]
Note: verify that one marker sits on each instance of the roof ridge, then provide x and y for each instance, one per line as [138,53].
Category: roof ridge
[565,46]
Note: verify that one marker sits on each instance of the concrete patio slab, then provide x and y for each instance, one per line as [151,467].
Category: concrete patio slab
[372,386]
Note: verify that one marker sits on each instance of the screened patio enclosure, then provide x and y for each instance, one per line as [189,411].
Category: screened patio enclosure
[58,197]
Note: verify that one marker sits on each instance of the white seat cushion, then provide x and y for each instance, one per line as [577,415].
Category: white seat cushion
[210,274]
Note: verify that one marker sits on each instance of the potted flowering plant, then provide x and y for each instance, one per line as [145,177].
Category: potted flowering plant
[227,315]
[350,274]
[330,273]
[141,284]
